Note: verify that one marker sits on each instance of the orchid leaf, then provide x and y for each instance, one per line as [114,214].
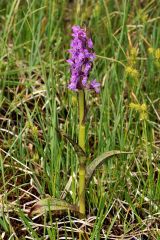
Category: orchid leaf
[91,168]
[79,151]
[51,204]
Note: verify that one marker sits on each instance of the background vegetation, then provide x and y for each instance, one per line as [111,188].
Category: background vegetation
[123,198]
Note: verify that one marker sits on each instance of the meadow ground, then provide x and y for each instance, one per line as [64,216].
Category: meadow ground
[123,197]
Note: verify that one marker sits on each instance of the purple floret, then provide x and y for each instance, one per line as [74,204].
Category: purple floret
[81,60]
[95,85]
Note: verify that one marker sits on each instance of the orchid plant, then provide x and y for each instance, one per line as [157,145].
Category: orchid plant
[81,62]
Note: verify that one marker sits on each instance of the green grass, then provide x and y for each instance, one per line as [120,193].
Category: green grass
[123,197]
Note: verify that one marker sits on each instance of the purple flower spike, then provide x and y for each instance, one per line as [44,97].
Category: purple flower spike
[81,61]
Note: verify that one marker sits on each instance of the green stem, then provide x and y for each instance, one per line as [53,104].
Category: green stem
[81,141]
